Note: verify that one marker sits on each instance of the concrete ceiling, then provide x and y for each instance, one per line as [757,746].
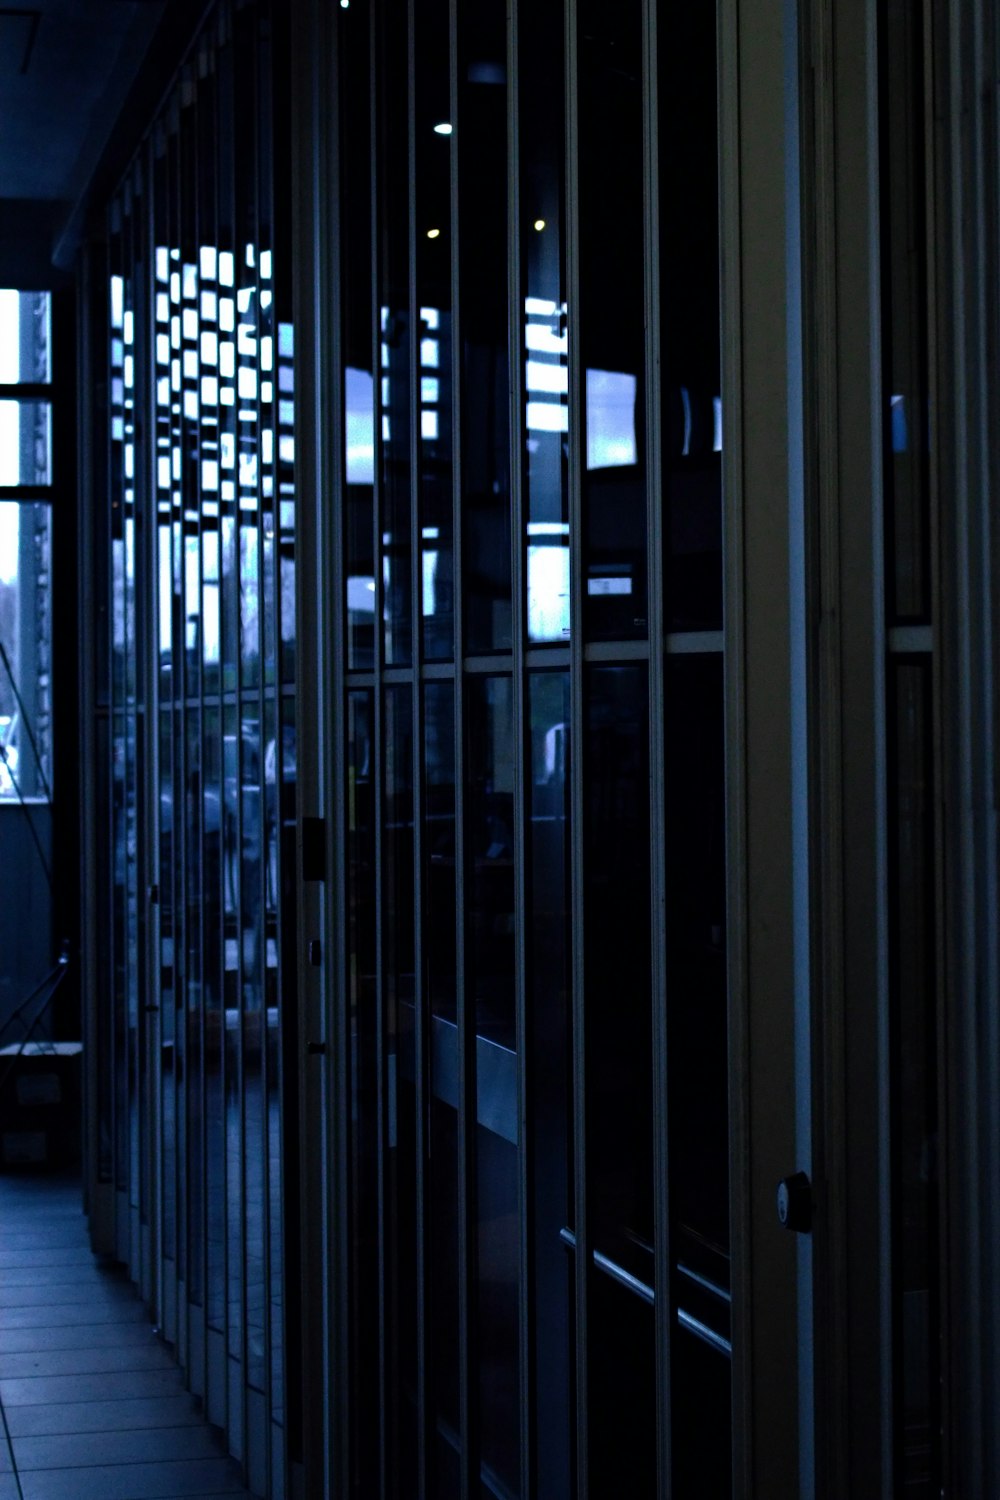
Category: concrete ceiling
[67,68]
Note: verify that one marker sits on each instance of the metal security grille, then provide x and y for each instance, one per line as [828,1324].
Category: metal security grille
[202,715]
[530,1026]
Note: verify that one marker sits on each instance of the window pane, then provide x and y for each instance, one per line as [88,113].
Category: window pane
[612,317]
[25,442]
[433,150]
[482,157]
[25,337]
[691,423]
[26,635]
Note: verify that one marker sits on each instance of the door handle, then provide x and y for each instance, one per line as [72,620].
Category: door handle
[794,1203]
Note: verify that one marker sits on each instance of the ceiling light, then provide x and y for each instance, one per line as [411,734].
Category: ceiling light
[432,234]
[444,128]
[539,224]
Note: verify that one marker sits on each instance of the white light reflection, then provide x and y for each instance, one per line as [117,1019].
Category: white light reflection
[611,441]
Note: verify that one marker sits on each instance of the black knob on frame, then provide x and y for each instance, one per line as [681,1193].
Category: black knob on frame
[795,1203]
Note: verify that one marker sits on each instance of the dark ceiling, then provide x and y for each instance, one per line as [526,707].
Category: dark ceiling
[69,70]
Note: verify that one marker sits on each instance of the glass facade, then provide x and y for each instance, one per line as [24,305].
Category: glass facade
[202,511]
[615,798]
[532,639]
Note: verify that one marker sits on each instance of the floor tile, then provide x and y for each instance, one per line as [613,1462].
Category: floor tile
[150,1356]
[140,1445]
[90,1394]
[200,1476]
[78,1336]
[103,1416]
[65,1313]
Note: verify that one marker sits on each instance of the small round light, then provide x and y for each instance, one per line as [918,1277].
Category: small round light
[444,128]
[344,4]
[539,225]
[433,234]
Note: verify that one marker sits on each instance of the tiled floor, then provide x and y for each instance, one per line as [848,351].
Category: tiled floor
[92,1405]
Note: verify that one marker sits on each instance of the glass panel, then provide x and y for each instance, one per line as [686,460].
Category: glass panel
[252,953]
[916,1288]
[548,1047]
[26,442]
[439,913]
[482,172]
[400,1245]
[612,317]
[193,893]
[233,901]
[25,337]
[906,372]
[215,1021]
[691,421]
[697,1021]
[619,1073]
[394,334]
[354,52]
[169,852]
[363,1033]
[25,651]
[490,978]
[541,110]
[616,856]
[433,151]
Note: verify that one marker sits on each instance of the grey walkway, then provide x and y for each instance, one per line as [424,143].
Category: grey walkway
[92,1404]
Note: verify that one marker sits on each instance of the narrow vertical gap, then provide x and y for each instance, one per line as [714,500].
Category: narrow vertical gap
[577,722]
[387,1427]
[423,1088]
[521,769]
[467,1370]
[655,497]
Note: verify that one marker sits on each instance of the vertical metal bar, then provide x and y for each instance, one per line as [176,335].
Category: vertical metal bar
[332,555]
[202,1249]
[154,942]
[386,1365]
[421,1051]
[236,857]
[266,586]
[577,758]
[655,491]
[522,769]
[466,1025]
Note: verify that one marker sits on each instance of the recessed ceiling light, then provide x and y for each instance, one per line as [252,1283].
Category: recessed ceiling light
[444,128]
[539,224]
[432,234]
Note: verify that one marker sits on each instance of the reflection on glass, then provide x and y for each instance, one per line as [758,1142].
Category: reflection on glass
[432,206]
[363,1042]
[616,941]
[619,1072]
[395,334]
[482,164]
[546,375]
[611,441]
[490,952]
[439,913]
[612,317]
[547,1043]
[697,1048]
[490,971]
[398,903]
[691,410]
[916,1292]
